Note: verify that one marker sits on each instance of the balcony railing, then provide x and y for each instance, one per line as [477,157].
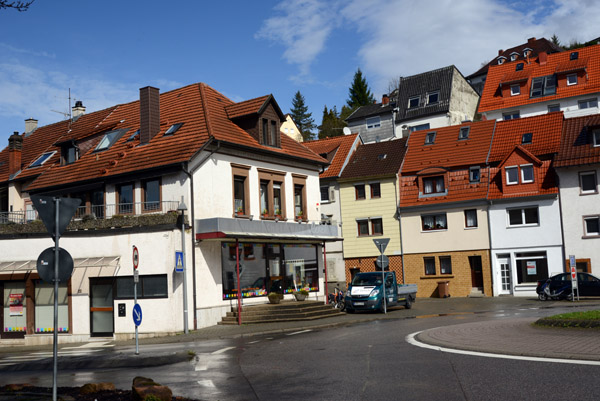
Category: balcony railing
[97,211]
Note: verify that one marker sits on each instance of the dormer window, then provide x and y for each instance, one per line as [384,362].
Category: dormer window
[571,79]
[513,56]
[109,139]
[464,133]
[413,102]
[596,137]
[526,52]
[430,138]
[434,185]
[527,138]
[433,97]
[69,153]
[501,60]
[42,159]
[474,174]
[515,90]
[173,129]
[269,132]
[543,86]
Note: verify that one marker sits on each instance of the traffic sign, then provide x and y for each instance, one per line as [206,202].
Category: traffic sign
[179,261]
[45,265]
[136,257]
[382,262]
[381,243]
[137,314]
[46,208]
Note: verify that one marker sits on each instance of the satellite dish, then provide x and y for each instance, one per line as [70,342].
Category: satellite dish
[346,131]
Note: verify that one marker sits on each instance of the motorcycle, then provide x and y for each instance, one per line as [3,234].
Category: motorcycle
[336,299]
[563,292]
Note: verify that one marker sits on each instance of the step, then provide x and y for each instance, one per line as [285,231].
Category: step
[283,312]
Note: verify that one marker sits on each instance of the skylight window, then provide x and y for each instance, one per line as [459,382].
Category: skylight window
[173,128]
[519,67]
[527,138]
[433,97]
[42,159]
[574,55]
[382,156]
[133,136]
[464,133]
[109,139]
[413,102]
[430,138]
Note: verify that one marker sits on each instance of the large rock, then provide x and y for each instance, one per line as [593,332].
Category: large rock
[143,387]
[95,387]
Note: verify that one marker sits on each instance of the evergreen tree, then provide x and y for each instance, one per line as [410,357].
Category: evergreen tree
[302,117]
[359,93]
[554,39]
[331,125]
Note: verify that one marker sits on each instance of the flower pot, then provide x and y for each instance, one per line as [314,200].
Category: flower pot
[274,300]
[300,297]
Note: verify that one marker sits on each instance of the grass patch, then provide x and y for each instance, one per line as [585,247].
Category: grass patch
[583,320]
[587,315]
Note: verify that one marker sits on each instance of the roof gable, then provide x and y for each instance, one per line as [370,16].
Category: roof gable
[577,143]
[339,147]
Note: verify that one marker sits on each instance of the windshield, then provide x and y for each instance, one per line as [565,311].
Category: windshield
[367,280]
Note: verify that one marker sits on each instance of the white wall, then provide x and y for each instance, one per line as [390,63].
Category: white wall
[569,106]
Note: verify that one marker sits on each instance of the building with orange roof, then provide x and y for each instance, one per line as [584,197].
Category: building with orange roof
[443,210]
[249,194]
[563,81]
[337,150]
[524,210]
[578,167]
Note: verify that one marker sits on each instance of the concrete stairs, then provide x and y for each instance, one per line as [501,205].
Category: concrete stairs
[286,311]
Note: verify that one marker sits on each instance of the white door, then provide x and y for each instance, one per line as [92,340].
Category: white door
[505,276]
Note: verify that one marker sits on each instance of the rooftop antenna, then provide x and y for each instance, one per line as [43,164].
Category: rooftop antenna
[67,115]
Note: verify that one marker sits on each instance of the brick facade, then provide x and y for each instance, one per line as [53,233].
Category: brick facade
[368,265]
[460,282]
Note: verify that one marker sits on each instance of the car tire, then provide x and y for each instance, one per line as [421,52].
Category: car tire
[408,303]
[542,296]
[349,310]
[570,296]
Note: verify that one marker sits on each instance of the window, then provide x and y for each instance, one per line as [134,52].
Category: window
[512,175]
[430,138]
[431,222]
[271,194]
[591,225]
[523,216]
[413,102]
[69,153]
[370,226]
[150,286]
[240,190]
[109,139]
[527,173]
[363,227]
[543,86]
[359,191]
[553,107]
[464,133]
[588,103]
[433,97]
[515,89]
[511,115]
[299,197]
[373,122]
[531,267]
[269,133]
[151,195]
[596,137]
[471,218]
[273,137]
[264,197]
[445,265]
[324,193]
[377,226]
[429,266]
[277,200]
[419,127]
[474,174]
[513,56]
[375,190]
[265,130]
[527,138]
[574,56]
[136,134]
[526,52]
[501,60]
[433,185]
[587,182]
[519,66]
[42,159]
[173,129]
[125,198]
[571,79]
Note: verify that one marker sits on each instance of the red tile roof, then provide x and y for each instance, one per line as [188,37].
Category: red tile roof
[557,63]
[247,107]
[576,147]
[201,109]
[544,183]
[376,160]
[340,146]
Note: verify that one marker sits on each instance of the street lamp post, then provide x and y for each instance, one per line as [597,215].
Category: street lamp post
[182,208]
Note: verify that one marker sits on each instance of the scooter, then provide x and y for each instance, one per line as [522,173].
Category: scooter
[564,292]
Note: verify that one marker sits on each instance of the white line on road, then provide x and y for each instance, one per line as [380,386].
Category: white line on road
[254,342]
[206,383]
[222,350]
[91,345]
[298,332]
[412,340]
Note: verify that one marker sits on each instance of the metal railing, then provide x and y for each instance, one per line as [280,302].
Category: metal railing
[97,211]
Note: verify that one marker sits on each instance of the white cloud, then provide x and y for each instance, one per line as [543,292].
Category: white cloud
[27,51]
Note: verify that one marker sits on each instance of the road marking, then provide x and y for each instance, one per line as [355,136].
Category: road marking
[206,383]
[222,350]
[413,341]
[298,332]
[91,345]
[254,342]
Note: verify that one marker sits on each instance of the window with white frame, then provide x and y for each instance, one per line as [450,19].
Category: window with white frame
[501,60]
[588,103]
[42,159]
[430,138]
[515,89]
[369,226]
[553,107]
[587,182]
[430,222]
[591,225]
[526,216]
[543,86]
[511,115]
[324,193]
[413,102]
[474,174]
[373,122]
[471,218]
[596,137]
[433,97]
[464,133]
[572,79]
[445,265]
[526,173]
[512,175]
[513,56]
[433,185]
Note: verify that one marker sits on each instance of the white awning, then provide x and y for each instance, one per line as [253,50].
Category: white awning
[26,266]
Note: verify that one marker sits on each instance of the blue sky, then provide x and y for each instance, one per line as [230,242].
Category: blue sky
[104,51]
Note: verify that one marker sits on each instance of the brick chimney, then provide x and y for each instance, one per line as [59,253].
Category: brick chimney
[543,58]
[500,52]
[531,41]
[149,113]
[385,100]
[15,147]
[30,125]
[78,110]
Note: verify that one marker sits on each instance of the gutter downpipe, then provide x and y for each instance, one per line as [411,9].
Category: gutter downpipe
[490,203]
[192,216]
[562,229]
[325,266]
[399,226]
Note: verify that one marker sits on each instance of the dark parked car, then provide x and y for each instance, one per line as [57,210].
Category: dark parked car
[559,286]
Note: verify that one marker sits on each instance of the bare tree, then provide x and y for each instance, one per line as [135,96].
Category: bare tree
[17,5]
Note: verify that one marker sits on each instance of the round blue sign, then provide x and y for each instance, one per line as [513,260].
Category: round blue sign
[137,314]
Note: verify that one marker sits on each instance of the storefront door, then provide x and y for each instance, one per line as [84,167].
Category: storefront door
[505,274]
[13,311]
[275,274]
[101,307]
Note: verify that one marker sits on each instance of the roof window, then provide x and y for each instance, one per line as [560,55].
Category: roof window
[109,139]
[574,56]
[527,137]
[430,138]
[382,156]
[133,136]
[413,102]
[464,133]
[513,56]
[526,52]
[173,129]
[42,159]
[519,67]
[501,60]
[543,86]
[433,97]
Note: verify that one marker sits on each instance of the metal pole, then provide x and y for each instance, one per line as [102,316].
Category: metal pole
[239,287]
[185,304]
[383,280]
[137,345]
[325,265]
[55,332]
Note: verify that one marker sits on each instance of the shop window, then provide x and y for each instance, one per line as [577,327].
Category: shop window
[471,218]
[44,308]
[151,195]
[429,263]
[125,198]
[375,190]
[149,286]
[359,192]
[15,308]
[587,182]
[430,222]
[527,216]
[531,267]
[445,265]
